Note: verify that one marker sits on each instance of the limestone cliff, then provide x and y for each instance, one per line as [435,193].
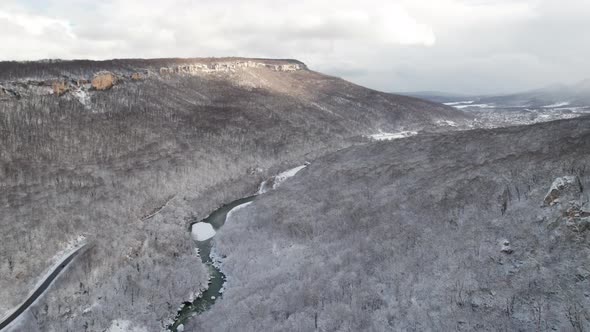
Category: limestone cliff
[68,82]
[104,81]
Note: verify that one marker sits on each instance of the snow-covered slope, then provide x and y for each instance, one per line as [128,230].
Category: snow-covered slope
[475,230]
[102,147]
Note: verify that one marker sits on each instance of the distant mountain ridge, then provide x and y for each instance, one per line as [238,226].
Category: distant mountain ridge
[556,95]
[80,79]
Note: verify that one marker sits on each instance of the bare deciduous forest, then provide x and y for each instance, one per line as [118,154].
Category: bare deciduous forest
[183,134]
[472,230]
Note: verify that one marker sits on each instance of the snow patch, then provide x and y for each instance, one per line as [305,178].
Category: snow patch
[82,97]
[561,182]
[446,123]
[560,104]
[282,177]
[277,180]
[202,231]
[460,103]
[475,106]
[263,187]
[234,210]
[381,136]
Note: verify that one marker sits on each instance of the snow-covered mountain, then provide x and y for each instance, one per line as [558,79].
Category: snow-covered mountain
[127,152]
[541,105]
[553,96]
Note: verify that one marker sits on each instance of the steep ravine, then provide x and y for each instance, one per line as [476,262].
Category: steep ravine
[216,277]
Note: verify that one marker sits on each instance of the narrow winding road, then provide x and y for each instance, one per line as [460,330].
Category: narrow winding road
[42,287]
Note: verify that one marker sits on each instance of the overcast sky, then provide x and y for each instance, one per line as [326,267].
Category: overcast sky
[468,46]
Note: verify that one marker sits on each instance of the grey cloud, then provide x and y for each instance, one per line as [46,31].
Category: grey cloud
[453,45]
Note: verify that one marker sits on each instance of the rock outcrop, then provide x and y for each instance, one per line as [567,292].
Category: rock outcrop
[577,216]
[506,247]
[229,66]
[74,83]
[567,193]
[104,81]
[561,187]
[59,88]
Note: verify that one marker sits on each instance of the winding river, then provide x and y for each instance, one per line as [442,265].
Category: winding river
[217,278]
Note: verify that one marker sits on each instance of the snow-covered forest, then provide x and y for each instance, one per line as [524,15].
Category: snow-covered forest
[146,151]
[473,230]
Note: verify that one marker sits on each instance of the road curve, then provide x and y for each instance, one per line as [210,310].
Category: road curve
[39,291]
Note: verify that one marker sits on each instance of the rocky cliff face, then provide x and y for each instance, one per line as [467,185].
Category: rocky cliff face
[137,76]
[230,66]
[104,81]
[72,81]
[84,81]
[59,88]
